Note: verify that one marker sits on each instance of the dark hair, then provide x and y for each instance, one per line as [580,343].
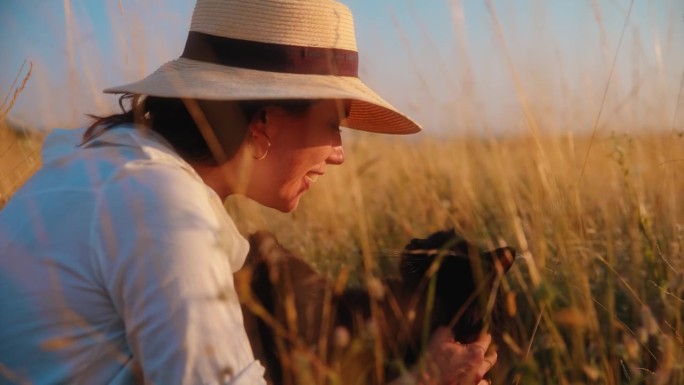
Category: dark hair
[170,118]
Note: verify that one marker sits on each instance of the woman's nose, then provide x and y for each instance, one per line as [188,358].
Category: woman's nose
[336,157]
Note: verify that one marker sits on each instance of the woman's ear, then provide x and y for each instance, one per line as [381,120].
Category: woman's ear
[258,122]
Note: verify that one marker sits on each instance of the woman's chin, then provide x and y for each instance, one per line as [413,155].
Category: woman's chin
[285,205]
[282,202]
[291,206]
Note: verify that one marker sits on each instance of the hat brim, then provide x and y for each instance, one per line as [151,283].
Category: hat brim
[199,80]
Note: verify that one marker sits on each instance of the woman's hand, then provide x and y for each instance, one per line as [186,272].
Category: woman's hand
[452,363]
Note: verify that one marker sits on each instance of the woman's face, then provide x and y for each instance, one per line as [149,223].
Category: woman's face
[302,146]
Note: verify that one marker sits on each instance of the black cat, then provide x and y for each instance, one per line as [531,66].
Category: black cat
[294,315]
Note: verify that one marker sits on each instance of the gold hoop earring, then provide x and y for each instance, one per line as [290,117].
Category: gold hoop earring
[251,147]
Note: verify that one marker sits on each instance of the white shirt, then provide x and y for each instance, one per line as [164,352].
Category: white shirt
[116,255]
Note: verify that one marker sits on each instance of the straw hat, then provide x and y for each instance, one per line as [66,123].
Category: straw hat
[273,49]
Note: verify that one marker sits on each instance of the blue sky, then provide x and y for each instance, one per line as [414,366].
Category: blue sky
[441,61]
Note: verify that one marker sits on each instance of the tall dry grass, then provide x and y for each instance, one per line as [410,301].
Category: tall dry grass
[19,147]
[599,287]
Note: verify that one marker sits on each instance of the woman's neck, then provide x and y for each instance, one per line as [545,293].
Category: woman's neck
[231,177]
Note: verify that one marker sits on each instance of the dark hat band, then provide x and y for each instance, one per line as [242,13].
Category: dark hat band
[270,57]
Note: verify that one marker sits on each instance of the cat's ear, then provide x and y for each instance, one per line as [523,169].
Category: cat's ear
[503,258]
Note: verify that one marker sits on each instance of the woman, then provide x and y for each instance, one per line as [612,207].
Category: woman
[116,257]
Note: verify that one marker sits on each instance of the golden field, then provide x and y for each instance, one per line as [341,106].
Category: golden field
[599,284]
[599,280]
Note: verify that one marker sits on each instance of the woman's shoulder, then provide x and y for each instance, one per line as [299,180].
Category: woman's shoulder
[140,162]
[129,166]
[157,185]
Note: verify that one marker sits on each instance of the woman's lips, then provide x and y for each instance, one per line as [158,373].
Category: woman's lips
[311,177]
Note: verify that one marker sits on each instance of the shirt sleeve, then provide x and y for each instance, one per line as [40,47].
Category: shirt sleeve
[165,260]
